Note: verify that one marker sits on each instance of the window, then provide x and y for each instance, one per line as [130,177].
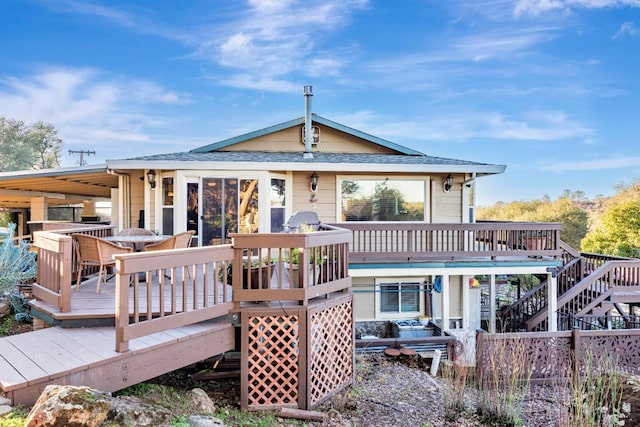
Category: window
[278,192]
[369,199]
[167,206]
[399,298]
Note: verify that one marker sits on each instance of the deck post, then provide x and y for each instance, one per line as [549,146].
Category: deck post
[445,304]
[122,306]
[552,295]
[492,303]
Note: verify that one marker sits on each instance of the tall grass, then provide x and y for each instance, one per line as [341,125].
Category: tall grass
[458,390]
[593,392]
[504,383]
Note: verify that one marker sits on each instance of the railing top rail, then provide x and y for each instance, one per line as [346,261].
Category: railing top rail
[508,226]
[290,240]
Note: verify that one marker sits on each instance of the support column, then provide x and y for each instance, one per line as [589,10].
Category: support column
[492,303]
[552,307]
[89,208]
[39,207]
[446,308]
[466,301]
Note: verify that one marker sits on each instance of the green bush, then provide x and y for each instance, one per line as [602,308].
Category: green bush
[17,264]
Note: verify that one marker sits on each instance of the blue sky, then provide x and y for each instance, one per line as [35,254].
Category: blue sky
[550,88]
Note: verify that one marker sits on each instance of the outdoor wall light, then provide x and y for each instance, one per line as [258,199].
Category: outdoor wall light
[313,187]
[448,183]
[151,177]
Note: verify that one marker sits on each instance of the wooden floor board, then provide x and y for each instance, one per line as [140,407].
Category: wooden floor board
[87,356]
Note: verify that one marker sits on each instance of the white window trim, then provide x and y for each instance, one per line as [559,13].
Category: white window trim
[400,281]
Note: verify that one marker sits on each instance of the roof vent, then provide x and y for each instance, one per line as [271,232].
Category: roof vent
[315,135]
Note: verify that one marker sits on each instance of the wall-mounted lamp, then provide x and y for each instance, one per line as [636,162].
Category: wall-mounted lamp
[448,183]
[151,177]
[313,187]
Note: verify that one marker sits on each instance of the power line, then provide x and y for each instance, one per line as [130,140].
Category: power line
[82,153]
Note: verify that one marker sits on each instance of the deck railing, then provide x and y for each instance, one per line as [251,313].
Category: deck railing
[416,241]
[277,258]
[57,263]
[160,290]
[193,285]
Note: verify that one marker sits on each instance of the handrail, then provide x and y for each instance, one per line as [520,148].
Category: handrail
[325,252]
[416,241]
[53,283]
[594,288]
[185,290]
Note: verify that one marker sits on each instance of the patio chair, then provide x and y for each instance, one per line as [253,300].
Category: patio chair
[179,241]
[134,231]
[300,220]
[93,251]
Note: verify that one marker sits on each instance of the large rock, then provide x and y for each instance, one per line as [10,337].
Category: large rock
[201,400]
[136,411]
[5,308]
[69,406]
[204,421]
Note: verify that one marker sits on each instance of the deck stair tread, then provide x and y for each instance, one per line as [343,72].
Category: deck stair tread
[52,353]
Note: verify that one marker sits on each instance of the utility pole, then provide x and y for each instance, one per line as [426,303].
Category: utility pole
[82,153]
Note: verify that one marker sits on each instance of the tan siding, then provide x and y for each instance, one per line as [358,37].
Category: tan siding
[364,303]
[445,207]
[331,141]
[325,205]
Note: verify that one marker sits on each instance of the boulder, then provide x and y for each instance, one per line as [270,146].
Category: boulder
[204,421]
[136,411]
[5,308]
[69,406]
[201,400]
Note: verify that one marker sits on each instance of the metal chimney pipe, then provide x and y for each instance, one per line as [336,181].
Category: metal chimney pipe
[308,133]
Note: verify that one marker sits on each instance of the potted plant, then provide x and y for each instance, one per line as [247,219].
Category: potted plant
[258,270]
[534,241]
[295,274]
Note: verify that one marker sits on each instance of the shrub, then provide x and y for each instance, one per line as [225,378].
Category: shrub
[17,264]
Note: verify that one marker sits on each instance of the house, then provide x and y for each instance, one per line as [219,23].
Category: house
[398,241]
[253,182]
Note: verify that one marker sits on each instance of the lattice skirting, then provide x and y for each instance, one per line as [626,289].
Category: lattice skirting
[297,356]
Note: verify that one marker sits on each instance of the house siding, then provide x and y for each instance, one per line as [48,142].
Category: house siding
[290,140]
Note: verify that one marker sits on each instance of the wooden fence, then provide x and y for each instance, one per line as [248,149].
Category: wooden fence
[549,357]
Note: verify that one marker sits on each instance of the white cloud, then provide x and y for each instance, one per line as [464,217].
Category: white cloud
[600,164]
[627,28]
[538,7]
[86,107]
[462,126]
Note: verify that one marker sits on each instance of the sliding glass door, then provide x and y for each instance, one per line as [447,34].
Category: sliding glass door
[229,205]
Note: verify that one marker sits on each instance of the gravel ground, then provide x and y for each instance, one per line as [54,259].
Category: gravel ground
[394,393]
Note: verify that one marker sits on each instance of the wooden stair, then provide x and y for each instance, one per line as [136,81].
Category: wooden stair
[87,356]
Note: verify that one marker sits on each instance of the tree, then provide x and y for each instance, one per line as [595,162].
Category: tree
[565,210]
[617,231]
[43,138]
[36,146]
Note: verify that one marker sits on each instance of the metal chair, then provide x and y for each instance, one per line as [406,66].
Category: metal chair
[93,251]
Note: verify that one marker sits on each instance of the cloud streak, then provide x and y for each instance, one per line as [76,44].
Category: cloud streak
[592,165]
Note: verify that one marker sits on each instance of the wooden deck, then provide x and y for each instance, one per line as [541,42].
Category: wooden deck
[87,356]
[99,309]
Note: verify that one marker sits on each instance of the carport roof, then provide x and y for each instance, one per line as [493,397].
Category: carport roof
[62,186]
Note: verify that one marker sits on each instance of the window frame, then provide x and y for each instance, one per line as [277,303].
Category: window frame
[426,180]
[399,281]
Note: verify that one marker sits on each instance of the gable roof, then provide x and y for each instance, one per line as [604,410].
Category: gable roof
[300,121]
